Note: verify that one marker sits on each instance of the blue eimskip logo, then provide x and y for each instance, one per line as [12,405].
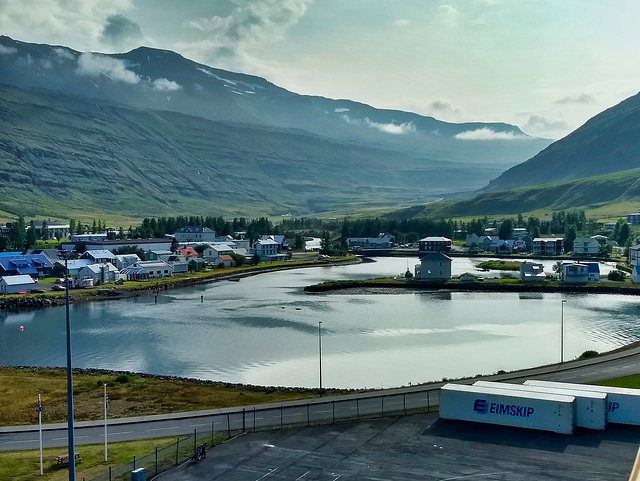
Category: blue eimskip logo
[480,406]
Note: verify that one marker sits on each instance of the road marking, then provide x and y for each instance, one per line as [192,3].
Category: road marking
[271,471]
[160,429]
[29,441]
[297,479]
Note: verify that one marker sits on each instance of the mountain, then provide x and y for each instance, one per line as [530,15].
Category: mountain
[607,143]
[149,132]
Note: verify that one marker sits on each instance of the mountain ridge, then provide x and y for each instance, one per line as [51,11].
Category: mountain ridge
[151,107]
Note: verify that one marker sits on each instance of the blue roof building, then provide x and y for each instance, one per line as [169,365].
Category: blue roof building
[15,263]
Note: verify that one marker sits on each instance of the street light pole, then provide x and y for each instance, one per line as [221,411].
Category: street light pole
[562,334]
[320,351]
[71,442]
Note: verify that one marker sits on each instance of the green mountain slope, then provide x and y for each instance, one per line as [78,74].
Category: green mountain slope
[60,154]
[607,143]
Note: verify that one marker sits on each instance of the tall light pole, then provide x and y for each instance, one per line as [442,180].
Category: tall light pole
[71,442]
[320,351]
[562,334]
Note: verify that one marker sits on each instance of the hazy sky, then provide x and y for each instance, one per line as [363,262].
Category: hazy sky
[544,65]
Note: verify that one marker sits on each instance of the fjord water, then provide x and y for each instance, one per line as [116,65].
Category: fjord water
[264,330]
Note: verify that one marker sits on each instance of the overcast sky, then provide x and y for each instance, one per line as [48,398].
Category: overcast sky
[544,65]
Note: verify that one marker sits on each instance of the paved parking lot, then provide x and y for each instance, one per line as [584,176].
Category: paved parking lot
[418,447]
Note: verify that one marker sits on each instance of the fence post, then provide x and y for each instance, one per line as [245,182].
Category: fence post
[307,414]
[109,473]
[254,419]
[195,448]
[358,409]
[281,416]
[428,404]
[243,420]
[382,406]
[134,463]
[156,460]
[177,449]
[404,403]
[228,427]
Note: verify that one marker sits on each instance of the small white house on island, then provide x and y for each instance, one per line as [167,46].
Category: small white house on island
[435,266]
[14,284]
[531,272]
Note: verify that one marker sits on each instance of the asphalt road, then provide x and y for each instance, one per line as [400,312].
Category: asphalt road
[421,446]
[323,410]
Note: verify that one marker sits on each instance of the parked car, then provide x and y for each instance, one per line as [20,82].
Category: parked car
[58,287]
[37,291]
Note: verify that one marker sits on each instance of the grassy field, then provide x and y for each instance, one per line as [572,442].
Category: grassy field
[129,395]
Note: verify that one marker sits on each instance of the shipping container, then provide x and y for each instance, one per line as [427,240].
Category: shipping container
[623,404]
[532,410]
[590,408]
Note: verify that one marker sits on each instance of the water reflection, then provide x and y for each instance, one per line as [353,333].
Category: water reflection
[263,330]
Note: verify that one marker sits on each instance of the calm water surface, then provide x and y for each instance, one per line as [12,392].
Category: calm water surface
[264,330]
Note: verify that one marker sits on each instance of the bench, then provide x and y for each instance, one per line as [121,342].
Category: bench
[64,458]
[201,453]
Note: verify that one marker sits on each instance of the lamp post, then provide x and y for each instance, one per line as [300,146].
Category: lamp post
[71,442]
[562,333]
[320,351]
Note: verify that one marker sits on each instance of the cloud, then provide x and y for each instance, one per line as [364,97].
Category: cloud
[251,24]
[577,99]
[69,22]
[64,54]
[447,16]
[389,128]
[7,50]
[401,22]
[340,109]
[539,124]
[164,85]
[97,65]
[486,133]
[119,31]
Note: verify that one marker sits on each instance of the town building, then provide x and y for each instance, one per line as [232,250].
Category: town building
[548,246]
[16,283]
[435,266]
[195,233]
[434,244]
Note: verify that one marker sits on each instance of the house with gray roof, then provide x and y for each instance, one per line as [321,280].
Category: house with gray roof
[18,283]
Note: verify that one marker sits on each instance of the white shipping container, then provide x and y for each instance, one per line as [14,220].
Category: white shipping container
[533,410]
[623,404]
[590,408]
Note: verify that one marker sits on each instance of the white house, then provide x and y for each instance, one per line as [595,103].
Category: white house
[99,273]
[634,255]
[580,272]
[472,240]
[195,233]
[125,260]
[383,241]
[586,246]
[147,270]
[213,252]
[265,248]
[13,284]
[102,256]
[470,277]
[531,272]
[519,232]
[435,266]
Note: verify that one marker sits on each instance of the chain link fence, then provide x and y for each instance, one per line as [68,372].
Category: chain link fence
[229,424]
